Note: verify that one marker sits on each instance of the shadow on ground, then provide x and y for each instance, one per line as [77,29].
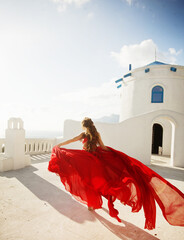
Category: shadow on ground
[48,192]
[128,231]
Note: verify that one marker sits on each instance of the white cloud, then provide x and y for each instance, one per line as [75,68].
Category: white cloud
[144,53]
[173,51]
[136,54]
[63,4]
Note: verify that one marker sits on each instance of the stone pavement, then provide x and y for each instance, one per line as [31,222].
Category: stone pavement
[35,206]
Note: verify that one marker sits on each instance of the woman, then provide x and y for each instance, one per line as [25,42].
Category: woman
[98,171]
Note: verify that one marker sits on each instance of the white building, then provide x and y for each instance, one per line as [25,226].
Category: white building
[151,117]
[154,95]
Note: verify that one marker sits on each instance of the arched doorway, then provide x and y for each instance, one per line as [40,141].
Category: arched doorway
[157,138]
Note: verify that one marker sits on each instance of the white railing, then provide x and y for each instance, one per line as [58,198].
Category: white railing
[35,146]
[2,145]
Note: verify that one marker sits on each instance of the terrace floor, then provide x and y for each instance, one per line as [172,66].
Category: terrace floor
[35,206]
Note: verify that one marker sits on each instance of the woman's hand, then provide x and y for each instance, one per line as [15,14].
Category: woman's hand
[59,145]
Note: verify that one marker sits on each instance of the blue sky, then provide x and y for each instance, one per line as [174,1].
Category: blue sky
[59,58]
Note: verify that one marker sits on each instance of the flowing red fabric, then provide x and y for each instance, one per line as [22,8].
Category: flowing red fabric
[114,175]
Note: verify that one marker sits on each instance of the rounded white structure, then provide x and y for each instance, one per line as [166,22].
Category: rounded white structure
[137,90]
[156,92]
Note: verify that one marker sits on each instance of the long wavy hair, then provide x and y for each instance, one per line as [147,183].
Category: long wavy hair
[91,134]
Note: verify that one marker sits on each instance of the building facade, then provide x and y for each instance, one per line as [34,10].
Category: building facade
[156,91]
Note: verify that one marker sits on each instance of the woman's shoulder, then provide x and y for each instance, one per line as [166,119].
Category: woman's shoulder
[83,135]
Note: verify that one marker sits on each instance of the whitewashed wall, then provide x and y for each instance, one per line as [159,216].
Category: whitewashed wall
[136,91]
[134,136]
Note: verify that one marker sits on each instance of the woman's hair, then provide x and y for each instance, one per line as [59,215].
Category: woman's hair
[91,134]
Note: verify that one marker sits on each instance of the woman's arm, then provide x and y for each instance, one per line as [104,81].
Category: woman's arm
[101,143]
[77,138]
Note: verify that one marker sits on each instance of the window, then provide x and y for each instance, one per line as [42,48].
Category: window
[157,94]
[147,70]
[173,69]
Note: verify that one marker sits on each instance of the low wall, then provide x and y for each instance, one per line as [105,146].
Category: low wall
[35,146]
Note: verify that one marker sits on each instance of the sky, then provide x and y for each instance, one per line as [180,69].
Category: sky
[59,58]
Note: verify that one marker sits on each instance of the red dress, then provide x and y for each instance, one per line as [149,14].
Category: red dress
[112,174]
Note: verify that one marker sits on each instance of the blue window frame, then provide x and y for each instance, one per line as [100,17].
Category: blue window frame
[173,69]
[147,70]
[157,94]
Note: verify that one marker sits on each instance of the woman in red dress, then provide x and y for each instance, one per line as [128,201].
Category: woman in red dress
[99,171]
